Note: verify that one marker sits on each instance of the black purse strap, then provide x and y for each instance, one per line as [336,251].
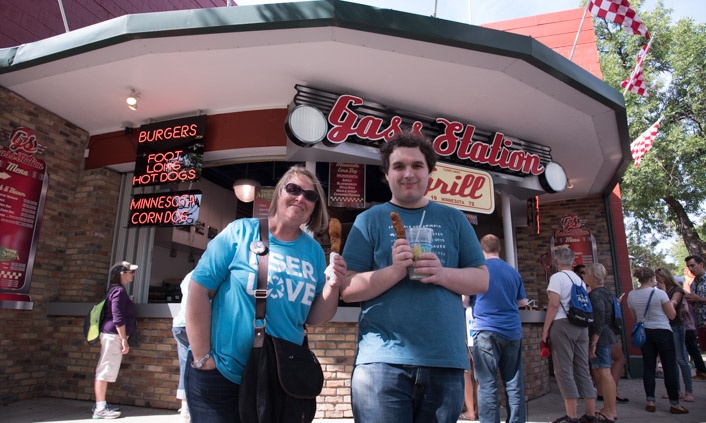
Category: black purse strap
[261,291]
[648,303]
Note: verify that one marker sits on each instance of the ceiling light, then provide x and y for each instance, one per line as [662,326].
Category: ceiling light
[245,189]
[132,99]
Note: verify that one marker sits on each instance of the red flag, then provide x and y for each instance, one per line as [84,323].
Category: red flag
[636,84]
[643,143]
[620,12]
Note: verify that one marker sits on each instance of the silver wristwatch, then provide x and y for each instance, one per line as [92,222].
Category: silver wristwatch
[199,364]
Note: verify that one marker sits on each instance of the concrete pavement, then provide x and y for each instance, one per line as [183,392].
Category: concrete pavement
[543,409]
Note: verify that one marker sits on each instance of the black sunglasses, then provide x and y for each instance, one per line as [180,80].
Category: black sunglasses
[295,190]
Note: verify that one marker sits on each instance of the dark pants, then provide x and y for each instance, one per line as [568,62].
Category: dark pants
[212,398]
[701,332]
[692,347]
[660,342]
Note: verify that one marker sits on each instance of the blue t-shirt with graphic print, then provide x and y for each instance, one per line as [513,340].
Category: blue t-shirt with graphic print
[295,278]
[413,323]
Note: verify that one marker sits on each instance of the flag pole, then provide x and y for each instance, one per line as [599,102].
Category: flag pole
[576,41]
[633,74]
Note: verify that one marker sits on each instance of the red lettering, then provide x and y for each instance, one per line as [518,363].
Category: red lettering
[342,118]
[346,122]
[445,144]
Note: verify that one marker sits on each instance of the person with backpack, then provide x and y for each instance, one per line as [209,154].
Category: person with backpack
[602,338]
[653,308]
[569,341]
[117,325]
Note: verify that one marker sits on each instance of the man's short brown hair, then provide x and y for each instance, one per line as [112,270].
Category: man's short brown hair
[490,244]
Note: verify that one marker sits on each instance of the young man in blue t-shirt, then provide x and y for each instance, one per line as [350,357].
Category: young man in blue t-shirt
[411,339]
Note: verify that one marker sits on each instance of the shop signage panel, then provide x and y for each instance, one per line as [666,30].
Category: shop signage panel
[170,152]
[23,189]
[578,238]
[179,208]
[346,185]
[461,188]
[261,204]
[352,119]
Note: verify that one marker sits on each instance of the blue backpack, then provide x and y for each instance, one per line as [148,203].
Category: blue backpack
[617,316]
[580,311]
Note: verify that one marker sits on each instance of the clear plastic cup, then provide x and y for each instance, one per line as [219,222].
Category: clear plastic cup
[420,240]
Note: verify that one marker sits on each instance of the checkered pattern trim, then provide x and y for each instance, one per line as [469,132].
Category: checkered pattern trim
[619,12]
[643,143]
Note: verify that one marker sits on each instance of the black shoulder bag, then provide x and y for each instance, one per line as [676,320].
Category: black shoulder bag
[281,379]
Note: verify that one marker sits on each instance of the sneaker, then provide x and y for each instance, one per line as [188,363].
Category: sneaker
[106,413]
[184,414]
[565,419]
[108,406]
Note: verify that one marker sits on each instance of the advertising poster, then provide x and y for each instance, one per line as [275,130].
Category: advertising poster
[23,189]
[346,185]
[579,239]
[170,152]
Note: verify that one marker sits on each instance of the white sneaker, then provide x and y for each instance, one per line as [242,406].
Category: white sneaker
[184,414]
[106,413]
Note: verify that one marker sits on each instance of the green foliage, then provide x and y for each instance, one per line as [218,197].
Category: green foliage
[665,194]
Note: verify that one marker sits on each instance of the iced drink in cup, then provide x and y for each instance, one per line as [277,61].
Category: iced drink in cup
[420,240]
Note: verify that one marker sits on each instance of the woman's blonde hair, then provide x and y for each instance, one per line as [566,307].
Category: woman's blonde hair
[318,221]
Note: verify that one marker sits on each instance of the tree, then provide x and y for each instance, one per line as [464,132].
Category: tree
[666,192]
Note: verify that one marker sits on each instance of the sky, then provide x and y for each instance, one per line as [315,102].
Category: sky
[486,11]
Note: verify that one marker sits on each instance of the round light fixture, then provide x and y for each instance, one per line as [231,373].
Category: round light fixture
[244,189]
[306,125]
[554,178]
[132,100]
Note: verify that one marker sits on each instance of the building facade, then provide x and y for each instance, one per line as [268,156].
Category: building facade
[90,154]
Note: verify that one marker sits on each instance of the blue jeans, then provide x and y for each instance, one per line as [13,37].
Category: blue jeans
[493,352]
[212,398]
[682,357]
[182,351]
[384,393]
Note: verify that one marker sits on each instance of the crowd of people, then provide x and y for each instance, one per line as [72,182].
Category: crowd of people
[409,372]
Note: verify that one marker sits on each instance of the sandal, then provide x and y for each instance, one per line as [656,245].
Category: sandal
[600,417]
[622,400]
[678,409]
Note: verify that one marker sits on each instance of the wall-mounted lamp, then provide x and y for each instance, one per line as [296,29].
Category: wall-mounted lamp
[245,189]
[132,99]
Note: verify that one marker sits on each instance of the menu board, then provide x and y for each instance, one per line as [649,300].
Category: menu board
[170,152]
[346,185]
[23,188]
[180,208]
[261,205]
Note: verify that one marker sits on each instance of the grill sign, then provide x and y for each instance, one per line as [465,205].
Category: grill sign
[462,188]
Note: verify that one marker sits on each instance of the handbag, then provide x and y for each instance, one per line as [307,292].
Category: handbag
[638,336]
[281,379]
